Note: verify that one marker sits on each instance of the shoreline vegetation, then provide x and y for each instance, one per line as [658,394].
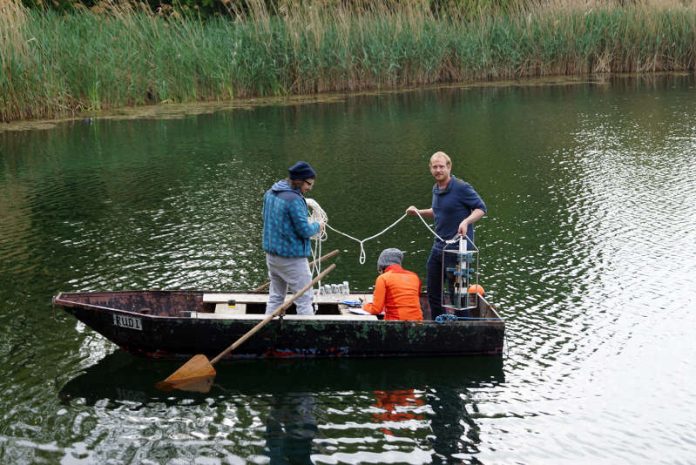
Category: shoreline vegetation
[116,55]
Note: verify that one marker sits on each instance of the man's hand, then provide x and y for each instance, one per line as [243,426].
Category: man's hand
[463,228]
[476,215]
[413,211]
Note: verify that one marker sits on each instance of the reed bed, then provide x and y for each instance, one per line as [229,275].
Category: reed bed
[118,55]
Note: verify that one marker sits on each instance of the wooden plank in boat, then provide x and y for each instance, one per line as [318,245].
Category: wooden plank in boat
[263,298]
[236,316]
[224,309]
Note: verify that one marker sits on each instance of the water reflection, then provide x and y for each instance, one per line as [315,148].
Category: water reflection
[291,427]
[296,412]
[589,251]
[455,431]
[397,405]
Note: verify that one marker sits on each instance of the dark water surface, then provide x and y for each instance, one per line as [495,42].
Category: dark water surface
[589,250]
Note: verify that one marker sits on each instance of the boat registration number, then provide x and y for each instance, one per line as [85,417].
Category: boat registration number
[128,322]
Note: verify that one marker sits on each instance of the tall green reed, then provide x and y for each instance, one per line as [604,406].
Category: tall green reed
[119,55]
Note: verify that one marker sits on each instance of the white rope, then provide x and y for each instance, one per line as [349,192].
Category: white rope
[428,226]
[319,215]
[362,242]
[450,241]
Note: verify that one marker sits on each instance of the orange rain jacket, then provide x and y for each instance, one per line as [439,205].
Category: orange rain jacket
[396,293]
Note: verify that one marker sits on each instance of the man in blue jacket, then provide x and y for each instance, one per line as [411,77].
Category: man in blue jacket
[456,207]
[286,233]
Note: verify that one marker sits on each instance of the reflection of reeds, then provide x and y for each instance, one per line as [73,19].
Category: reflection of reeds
[119,55]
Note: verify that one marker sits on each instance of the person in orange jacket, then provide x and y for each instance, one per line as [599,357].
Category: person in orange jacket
[397,291]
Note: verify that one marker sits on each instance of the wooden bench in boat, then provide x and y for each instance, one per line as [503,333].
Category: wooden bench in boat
[243,301]
[220,297]
[242,316]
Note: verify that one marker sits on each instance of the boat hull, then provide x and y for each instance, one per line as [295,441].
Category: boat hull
[157,333]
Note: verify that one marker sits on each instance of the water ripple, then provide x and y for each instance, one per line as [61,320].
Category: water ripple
[588,251]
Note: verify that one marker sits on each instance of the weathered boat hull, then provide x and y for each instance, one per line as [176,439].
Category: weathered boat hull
[169,324]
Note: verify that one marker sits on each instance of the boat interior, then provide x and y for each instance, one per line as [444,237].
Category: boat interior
[459,298]
[241,305]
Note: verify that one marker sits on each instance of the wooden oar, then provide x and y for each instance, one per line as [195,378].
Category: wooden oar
[198,373]
[333,253]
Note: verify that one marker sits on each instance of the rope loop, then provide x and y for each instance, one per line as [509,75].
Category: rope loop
[319,215]
[362,241]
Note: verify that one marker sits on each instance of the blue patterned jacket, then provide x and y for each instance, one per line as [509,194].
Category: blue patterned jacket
[286,229]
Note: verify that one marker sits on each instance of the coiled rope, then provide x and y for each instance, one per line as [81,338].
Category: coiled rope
[317,215]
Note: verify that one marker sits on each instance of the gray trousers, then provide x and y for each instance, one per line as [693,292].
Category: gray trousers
[288,273]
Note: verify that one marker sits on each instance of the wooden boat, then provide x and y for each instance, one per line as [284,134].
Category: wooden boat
[178,324]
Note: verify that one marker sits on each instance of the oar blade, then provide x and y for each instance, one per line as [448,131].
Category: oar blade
[195,375]
[202,385]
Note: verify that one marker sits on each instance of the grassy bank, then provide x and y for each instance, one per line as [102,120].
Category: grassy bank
[55,65]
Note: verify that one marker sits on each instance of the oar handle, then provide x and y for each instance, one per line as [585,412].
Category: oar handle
[275,313]
[333,253]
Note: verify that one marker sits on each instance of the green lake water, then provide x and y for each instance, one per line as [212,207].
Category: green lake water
[588,251]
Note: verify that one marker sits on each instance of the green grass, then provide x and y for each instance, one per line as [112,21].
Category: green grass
[56,65]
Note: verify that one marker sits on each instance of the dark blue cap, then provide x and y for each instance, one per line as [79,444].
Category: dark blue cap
[302,170]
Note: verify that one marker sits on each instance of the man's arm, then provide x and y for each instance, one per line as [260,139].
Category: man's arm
[426,213]
[475,215]
[298,217]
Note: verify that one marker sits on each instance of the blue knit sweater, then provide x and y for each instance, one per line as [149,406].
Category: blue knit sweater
[286,229]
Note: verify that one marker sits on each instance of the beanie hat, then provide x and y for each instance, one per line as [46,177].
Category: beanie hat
[389,257]
[302,170]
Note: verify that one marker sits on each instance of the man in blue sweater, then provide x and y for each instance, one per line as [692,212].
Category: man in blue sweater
[286,233]
[455,207]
